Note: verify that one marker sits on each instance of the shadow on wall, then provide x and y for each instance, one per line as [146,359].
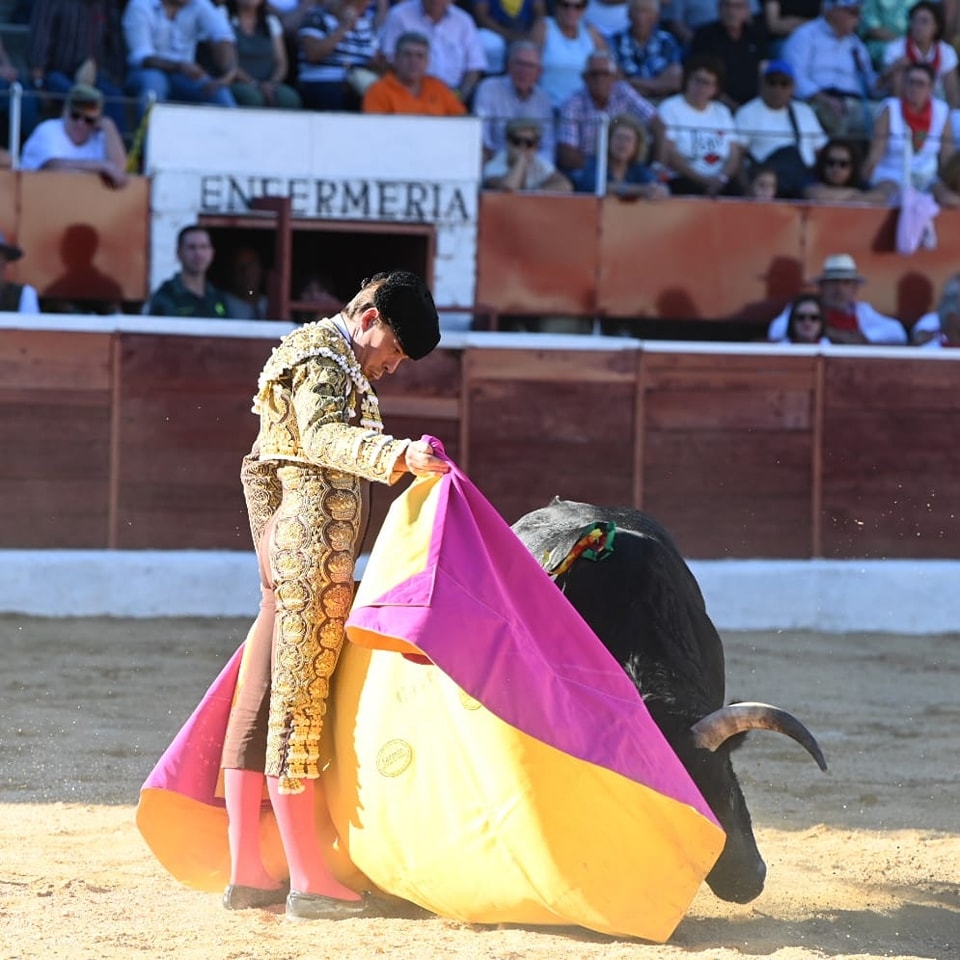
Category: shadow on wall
[81,280]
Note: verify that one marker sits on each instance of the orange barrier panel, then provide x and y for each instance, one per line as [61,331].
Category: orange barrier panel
[537,254]
[82,239]
[688,258]
[693,258]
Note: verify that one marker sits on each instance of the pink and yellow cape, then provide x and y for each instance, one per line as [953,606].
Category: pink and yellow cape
[488,759]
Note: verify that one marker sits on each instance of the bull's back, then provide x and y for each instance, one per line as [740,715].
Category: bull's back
[642,601]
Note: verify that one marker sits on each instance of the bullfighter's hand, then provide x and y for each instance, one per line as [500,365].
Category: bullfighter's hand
[420,459]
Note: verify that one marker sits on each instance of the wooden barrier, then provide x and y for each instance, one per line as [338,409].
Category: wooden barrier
[134,439]
[690,258]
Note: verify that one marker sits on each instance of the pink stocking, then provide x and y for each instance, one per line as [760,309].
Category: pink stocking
[296,818]
[243,793]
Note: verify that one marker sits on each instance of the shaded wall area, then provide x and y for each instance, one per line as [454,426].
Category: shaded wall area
[134,440]
[82,240]
[694,259]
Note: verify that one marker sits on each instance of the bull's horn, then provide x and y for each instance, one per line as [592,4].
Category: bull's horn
[719,726]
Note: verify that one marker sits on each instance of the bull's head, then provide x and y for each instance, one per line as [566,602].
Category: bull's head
[739,873]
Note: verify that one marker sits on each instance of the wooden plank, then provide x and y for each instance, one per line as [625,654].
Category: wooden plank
[758,409]
[724,494]
[48,513]
[559,366]
[531,441]
[50,360]
[730,371]
[896,384]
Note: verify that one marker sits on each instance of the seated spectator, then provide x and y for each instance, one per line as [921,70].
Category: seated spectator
[188,293]
[338,54]
[504,23]
[946,188]
[520,166]
[565,42]
[514,95]
[80,139]
[739,44]
[649,58]
[684,17]
[628,176]
[832,68]
[245,297]
[607,17]
[881,22]
[66,35]
[162,38]
[762,183]
[837,176]
[703,150]
[940,329]
[805,321]
[408,89]
[924,43]
[779,132]
[911,132]
[316,291]
[261,57]
[457,56]
[14,297]
[848,319]
[29,103]
[782,17]
[601,95]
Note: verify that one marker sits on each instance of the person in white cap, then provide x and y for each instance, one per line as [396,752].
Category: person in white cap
[848,320]
[14,297]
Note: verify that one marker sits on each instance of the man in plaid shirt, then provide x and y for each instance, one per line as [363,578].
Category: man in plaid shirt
[603,95]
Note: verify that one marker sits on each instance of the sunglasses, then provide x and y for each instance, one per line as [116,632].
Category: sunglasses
[572,6]
[778,81]
[837,162]
[806,316]
[522,141]
[85,117]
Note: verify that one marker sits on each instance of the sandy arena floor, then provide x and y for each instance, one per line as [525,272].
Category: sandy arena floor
[864,861]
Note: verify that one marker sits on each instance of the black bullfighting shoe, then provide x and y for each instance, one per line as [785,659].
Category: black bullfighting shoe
[238,897]
[315,906]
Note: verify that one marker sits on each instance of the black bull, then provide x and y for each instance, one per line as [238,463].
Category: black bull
[644,604]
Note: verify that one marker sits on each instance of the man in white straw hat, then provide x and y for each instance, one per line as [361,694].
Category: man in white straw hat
[14,297]
[848,320]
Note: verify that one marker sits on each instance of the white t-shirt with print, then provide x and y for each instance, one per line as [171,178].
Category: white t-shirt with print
[702,137]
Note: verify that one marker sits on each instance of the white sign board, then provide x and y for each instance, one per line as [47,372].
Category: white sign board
[332,166]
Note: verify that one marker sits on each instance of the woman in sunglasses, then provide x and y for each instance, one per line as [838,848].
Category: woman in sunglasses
[565,42]
[520,166]
[806,323]
[838,178]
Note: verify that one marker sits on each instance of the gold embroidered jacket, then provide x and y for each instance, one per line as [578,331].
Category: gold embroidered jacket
[317,407]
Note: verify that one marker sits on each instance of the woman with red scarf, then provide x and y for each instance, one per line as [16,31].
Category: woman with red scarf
[911,136]
[923,43]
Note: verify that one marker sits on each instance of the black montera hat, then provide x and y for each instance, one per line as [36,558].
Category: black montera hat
[406,306]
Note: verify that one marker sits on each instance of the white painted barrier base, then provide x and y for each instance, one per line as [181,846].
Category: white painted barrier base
[892,596]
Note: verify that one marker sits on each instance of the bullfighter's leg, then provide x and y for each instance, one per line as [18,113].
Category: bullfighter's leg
[312,561]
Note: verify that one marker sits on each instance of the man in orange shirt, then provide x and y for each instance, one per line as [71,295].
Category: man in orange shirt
[408,89]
